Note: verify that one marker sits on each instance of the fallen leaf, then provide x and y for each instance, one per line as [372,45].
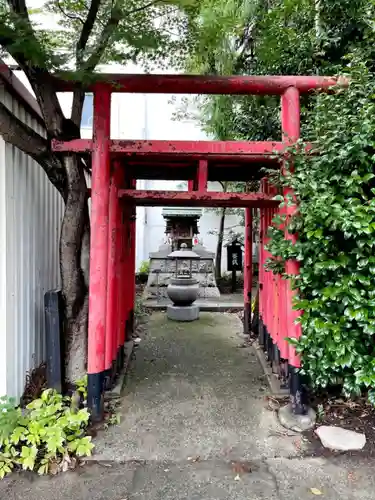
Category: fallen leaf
[297,443]
[351,476]
[53,468]
[241,467]
[73,463]
[315,491]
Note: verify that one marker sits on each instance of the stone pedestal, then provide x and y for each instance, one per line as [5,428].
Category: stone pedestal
[185,313]
[162,270]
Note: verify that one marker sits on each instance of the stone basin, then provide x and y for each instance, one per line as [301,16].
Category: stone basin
[183,291]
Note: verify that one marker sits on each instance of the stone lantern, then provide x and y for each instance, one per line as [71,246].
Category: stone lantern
[183,289]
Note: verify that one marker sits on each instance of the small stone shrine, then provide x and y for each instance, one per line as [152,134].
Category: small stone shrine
[181,227]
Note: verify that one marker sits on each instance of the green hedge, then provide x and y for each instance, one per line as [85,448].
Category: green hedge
[335,187]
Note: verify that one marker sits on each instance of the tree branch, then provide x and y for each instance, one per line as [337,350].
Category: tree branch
[21,135]
[70,16]
[55,173]
[77,106]
[144,7]
[108,30]
[7,41]
[88,26]
[19,6]
[37,75]
[104,39]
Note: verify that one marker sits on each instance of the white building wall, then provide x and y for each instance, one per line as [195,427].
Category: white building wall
[30,218]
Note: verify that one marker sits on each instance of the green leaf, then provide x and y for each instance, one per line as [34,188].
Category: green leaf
[28,457]
[82,447]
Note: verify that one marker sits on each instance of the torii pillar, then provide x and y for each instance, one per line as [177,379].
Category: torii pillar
[100,191]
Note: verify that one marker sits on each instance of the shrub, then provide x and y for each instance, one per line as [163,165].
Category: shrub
[336,228]
[44,436]
[224,283]
[144,268]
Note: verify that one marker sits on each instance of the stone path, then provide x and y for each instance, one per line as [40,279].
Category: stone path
[195,425]
[193,392]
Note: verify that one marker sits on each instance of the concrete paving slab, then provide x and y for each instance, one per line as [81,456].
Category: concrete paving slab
[213,480]
[93,482]
[340,478]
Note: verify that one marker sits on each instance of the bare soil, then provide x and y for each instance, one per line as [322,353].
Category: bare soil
[357,416]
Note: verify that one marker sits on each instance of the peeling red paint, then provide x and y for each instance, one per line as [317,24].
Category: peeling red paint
[290,123]
[205,84]
[99,232]
[195,198]
[176,148]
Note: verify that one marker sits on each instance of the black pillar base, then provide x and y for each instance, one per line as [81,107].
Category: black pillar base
[107,379]
[120,360]
[254,327]
[298,396]
[284,374]
[129,326]
[255,319]
[261,335]
[132,321]
[269,348]
[113,372]
[95,396]
[275,359]
[247,319]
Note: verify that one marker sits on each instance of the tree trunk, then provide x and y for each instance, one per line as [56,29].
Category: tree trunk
[219,248]
[74,249]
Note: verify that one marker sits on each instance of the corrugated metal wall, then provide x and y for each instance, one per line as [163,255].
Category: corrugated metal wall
[30,219]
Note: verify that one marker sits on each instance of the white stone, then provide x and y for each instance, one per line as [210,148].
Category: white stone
[337,438]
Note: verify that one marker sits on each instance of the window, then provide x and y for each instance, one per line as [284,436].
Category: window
[87,111]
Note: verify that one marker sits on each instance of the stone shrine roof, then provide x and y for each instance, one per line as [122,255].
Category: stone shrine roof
[181,212]
[183,254]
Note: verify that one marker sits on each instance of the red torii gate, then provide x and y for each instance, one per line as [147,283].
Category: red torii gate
[117,164]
